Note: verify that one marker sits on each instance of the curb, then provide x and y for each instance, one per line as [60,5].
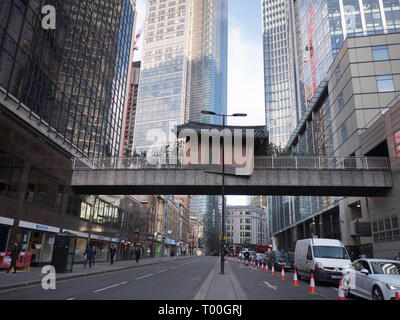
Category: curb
[36,282]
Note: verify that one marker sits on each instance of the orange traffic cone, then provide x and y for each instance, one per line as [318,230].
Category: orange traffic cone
[258,265]
[312,289]
[341,293]
[283,274]
[262,267]
[295,280]
[397,296]
[266,268]
[272,270]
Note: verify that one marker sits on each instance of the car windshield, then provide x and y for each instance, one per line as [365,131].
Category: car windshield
[329,252]
[283,256]
[383,267]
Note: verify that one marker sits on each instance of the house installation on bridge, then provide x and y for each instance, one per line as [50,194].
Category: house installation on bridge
[293,175]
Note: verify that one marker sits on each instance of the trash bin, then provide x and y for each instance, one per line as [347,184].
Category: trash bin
[63,252]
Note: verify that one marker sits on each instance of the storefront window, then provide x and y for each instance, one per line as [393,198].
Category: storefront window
[47,247]
[80,249]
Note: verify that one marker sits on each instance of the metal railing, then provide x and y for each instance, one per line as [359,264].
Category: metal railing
[286,162]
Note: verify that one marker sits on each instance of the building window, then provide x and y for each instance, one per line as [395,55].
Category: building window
[385,83]
[10,174]
[380,53]
[386,230]
[44,190]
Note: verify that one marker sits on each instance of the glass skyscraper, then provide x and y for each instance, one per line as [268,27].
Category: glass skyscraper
[184,65]
[279,71]
[71,79]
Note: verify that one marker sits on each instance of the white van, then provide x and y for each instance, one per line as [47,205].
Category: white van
[325,258]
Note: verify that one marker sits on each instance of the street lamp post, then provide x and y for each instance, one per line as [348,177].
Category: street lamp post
[224,116]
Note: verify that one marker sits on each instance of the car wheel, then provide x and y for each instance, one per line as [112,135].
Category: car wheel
[377,293]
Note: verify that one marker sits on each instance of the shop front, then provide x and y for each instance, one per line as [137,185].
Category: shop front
[38,239]
[81,244]
[170,248]
[5,227]
[102,245]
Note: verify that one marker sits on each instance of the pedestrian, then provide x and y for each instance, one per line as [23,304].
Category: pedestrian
[113,251]
[88,256]
[14,257]
[93,254]
[137,254]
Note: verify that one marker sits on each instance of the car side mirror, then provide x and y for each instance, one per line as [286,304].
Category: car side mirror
[365,272]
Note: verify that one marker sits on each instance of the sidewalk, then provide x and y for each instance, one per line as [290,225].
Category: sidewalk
[34,276]
[219,286]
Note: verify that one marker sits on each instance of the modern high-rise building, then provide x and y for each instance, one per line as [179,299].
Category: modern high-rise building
[131,110]
[183,70]
[279,70]
[325,24]
[321,30]
[62,96]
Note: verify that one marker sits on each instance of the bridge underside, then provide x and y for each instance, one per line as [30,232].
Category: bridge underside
[371,183]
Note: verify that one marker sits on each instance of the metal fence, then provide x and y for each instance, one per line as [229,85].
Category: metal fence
[288,162]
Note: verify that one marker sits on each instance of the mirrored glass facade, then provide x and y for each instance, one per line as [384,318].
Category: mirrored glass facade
[184,66]
[73,78]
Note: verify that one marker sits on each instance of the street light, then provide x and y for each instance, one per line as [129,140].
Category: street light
[224,116]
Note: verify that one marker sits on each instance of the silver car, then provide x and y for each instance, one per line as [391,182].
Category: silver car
[376,279]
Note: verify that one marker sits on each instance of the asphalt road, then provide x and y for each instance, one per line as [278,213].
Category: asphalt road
[259,285]
[175,280]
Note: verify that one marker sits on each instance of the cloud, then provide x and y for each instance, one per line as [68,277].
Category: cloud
[245,75]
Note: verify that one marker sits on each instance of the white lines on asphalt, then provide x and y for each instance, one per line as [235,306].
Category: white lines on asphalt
[269,285]
[125,282]
[71,299]
[106,288]
[162,270]
[147,275]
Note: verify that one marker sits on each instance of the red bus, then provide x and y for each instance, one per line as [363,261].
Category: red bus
[261,248]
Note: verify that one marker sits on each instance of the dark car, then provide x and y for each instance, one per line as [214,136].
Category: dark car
[280,259]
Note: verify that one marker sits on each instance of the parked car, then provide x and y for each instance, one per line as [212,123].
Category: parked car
[279,259]
[325,258]
[376,279]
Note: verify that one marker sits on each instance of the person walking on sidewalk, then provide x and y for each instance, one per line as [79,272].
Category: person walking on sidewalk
[14,257]
[137,254]
[113,251]
[88,256]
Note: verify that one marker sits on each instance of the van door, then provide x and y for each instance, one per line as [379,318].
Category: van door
[309,261]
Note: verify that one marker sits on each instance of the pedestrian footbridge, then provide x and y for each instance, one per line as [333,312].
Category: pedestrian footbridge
[307,176]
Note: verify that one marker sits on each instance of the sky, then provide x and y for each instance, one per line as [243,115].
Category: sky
[245,64]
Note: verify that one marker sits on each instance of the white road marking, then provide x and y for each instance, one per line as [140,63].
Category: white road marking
[71,299]
[106,288]
[271,286]
[162,270]
[125,282]
[147,275]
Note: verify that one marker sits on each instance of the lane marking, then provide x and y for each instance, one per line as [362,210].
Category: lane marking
[147,275]
[269,285]
[162,270]
[125,282]
[71,299]
[106,288]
